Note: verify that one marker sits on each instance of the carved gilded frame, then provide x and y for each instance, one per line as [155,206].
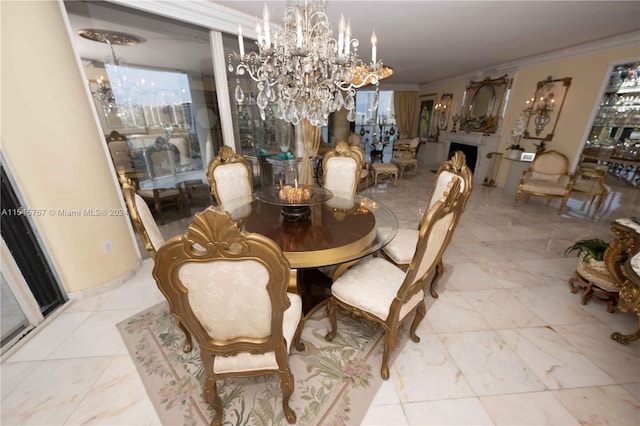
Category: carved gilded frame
[478,115]
[344,150]
[442,111]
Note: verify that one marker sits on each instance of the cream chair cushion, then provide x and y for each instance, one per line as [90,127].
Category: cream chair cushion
[371,285]
[546,185]
[233,285]
[149,223]
[403,246]
[545,177]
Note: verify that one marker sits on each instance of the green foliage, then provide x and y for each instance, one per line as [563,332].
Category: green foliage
[592,248]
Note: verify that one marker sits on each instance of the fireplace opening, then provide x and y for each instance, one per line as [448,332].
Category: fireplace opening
[470,151]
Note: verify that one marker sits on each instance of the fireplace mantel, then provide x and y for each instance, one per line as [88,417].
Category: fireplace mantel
[485,145]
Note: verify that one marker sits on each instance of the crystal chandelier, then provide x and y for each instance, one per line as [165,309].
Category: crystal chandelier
[105,92]
[303,72]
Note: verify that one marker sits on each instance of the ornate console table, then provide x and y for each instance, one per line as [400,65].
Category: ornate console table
[623,260]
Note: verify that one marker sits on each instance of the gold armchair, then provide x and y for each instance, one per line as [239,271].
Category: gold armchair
[404,154]
[379,291]
[229,288]
[229,176]
[547,177]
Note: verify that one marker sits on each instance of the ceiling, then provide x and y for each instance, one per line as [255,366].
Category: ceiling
[424,41]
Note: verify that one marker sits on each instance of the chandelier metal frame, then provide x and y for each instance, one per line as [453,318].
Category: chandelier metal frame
[305,72]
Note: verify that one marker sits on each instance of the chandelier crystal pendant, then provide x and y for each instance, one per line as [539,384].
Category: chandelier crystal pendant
[303,72]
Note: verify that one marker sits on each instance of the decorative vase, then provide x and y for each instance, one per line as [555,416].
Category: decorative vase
[514,154]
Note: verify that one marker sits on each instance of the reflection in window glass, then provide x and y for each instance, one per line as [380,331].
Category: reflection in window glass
[376,123]
[153,94]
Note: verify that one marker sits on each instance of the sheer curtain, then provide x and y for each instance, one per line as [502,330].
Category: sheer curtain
[406,105]
[311,136]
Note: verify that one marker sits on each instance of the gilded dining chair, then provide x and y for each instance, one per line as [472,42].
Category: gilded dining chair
[229,176]
[401,249]
[229,288]
[364,170]
[144,223]
[341,167]
[547,177]
[380,291]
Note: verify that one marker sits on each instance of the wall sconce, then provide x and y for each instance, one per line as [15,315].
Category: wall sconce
[442,109]
[543,108]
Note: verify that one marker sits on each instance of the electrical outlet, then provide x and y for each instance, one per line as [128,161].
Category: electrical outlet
[107,246]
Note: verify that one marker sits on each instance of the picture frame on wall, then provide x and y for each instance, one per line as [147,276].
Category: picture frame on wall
[425,117]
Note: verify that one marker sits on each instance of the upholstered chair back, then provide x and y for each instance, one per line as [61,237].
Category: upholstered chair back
[341,168]
[140,215]
[457,168]
[229,176]
[436,229]
[550,162]
[162,158]
[183,148]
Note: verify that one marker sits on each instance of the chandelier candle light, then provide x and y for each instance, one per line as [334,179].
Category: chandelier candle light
[305,72]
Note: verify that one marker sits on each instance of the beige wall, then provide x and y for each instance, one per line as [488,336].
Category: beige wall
[53,147]
[588,74]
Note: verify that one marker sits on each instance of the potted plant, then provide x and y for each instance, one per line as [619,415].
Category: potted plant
[514,151]
[592,248]
[592,274]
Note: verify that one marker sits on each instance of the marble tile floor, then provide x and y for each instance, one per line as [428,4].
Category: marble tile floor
[506,342]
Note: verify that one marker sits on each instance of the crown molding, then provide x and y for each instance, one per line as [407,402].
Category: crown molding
[199,12]
[631,39]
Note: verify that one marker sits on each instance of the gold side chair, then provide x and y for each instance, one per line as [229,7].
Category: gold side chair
[546,177]
[146,227]
[341,167]
[380,291]
[229,176]
[589,180]
[405,155]
[401,249]
[229,288]
[365,169]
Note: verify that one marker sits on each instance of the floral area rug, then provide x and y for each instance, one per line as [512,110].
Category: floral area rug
[334,381]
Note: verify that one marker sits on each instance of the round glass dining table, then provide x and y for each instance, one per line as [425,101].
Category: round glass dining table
[337,232]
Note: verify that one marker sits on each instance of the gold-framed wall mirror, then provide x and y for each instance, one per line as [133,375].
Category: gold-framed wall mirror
[483,104]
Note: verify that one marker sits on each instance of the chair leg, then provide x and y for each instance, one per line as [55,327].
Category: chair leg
[515,202]
[436,277]
[421,311]
[390,337]
[564,203]
[287,385]
[187,338]
[211,389]
[331,311]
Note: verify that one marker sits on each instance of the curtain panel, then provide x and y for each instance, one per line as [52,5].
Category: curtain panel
[406,106]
